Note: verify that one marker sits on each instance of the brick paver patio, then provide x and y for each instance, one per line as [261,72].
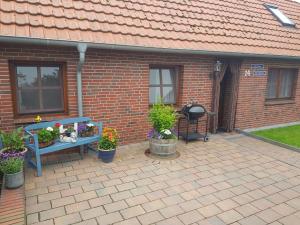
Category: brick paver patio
[228,180]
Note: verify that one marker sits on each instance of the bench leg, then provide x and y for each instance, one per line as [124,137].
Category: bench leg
[81,151]
[38,164]
[29,157]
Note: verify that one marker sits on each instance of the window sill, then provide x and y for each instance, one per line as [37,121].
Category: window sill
[29,119]
[279,102]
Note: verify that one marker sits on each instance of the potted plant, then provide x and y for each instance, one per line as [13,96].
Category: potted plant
[69,131]
[162,138]
[86,130]
[12,168]
[46,137]
[107,145]
[12,143]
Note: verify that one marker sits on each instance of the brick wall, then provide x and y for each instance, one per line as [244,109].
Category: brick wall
[252,110]
[115,85]
[115,88]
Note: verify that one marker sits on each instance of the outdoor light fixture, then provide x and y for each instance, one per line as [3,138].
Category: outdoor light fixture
[217,67]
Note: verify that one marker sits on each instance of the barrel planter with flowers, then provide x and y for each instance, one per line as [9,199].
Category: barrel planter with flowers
[162,138]
[107,145]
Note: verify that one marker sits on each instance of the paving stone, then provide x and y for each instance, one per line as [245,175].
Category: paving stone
[52,213]
[227,204]
[77,207]
[171,211]
[49,196]
[85,196]
[190,205]
[46,222]
[156,195]
[268,215]
[154,205]
[33,208]
[252,220]
[150,218]
[172,200]
[132,221]
[71,191]
[115,206]
[230,216]
[137,200]
[170,221]
[112,182]
[190,217]
[92,213]
[109,218]
[283,209]
[290,220]
[121,195]
[132,212]
[100,201]
[62,201]
[247,210]
[295,203]
[68,219]
[262,204]
[32,218]
[58,187]
[106,191]
[210,210]
[87,222]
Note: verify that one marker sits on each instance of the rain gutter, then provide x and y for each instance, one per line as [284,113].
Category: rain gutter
[49,42]
[81,50]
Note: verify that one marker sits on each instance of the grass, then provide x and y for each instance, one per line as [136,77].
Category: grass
[287,135]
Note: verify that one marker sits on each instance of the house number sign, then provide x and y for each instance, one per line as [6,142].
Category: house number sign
[257,70]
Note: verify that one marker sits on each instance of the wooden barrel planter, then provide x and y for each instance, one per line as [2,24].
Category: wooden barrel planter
[163,147]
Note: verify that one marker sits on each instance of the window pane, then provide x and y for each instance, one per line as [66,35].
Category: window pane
[154,94]
[28,100]
[27,76]
[52,99]
[272,82]
[168,95]
[50,76]
[286,84]
[167,76]
[154,76]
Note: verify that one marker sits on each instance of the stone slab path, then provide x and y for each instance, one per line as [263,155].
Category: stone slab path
[229,180]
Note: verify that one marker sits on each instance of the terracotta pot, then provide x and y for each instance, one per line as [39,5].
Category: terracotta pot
[45,144]
[163,147]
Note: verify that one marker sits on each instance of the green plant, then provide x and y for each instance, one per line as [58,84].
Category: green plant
[45,136]
[14,140]
[55,133]
[108,140]
[70,129]
[11,165]
[162,117]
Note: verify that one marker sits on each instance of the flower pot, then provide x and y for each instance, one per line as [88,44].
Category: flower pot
[7,153]
[45,144]
[163,147]
[14,180]
[106,156]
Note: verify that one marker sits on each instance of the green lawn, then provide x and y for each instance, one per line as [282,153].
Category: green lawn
[288,135]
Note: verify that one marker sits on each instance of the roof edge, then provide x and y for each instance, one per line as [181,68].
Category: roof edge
[52,42]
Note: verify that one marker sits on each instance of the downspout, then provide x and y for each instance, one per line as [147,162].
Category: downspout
[81,49]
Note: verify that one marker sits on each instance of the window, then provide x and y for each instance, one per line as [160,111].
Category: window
[280,15]
[163,85]
[38,87]
[281,83]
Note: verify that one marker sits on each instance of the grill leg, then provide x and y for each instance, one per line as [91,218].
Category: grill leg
[187,131]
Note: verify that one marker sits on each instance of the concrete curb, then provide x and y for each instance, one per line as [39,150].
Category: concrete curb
[246,133]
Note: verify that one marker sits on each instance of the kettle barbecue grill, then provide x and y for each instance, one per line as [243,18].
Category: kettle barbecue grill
[191,114]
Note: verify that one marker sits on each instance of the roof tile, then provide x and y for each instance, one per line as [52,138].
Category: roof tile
[230,26]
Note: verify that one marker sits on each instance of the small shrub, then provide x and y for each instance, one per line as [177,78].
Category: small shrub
[13,140]
[162,117]
[11,165]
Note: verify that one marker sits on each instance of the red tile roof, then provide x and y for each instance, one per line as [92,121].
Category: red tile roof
[243,26]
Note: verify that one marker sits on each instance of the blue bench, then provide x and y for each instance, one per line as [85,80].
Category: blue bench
[33,145]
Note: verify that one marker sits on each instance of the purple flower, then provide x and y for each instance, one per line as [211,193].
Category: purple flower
[81,127]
